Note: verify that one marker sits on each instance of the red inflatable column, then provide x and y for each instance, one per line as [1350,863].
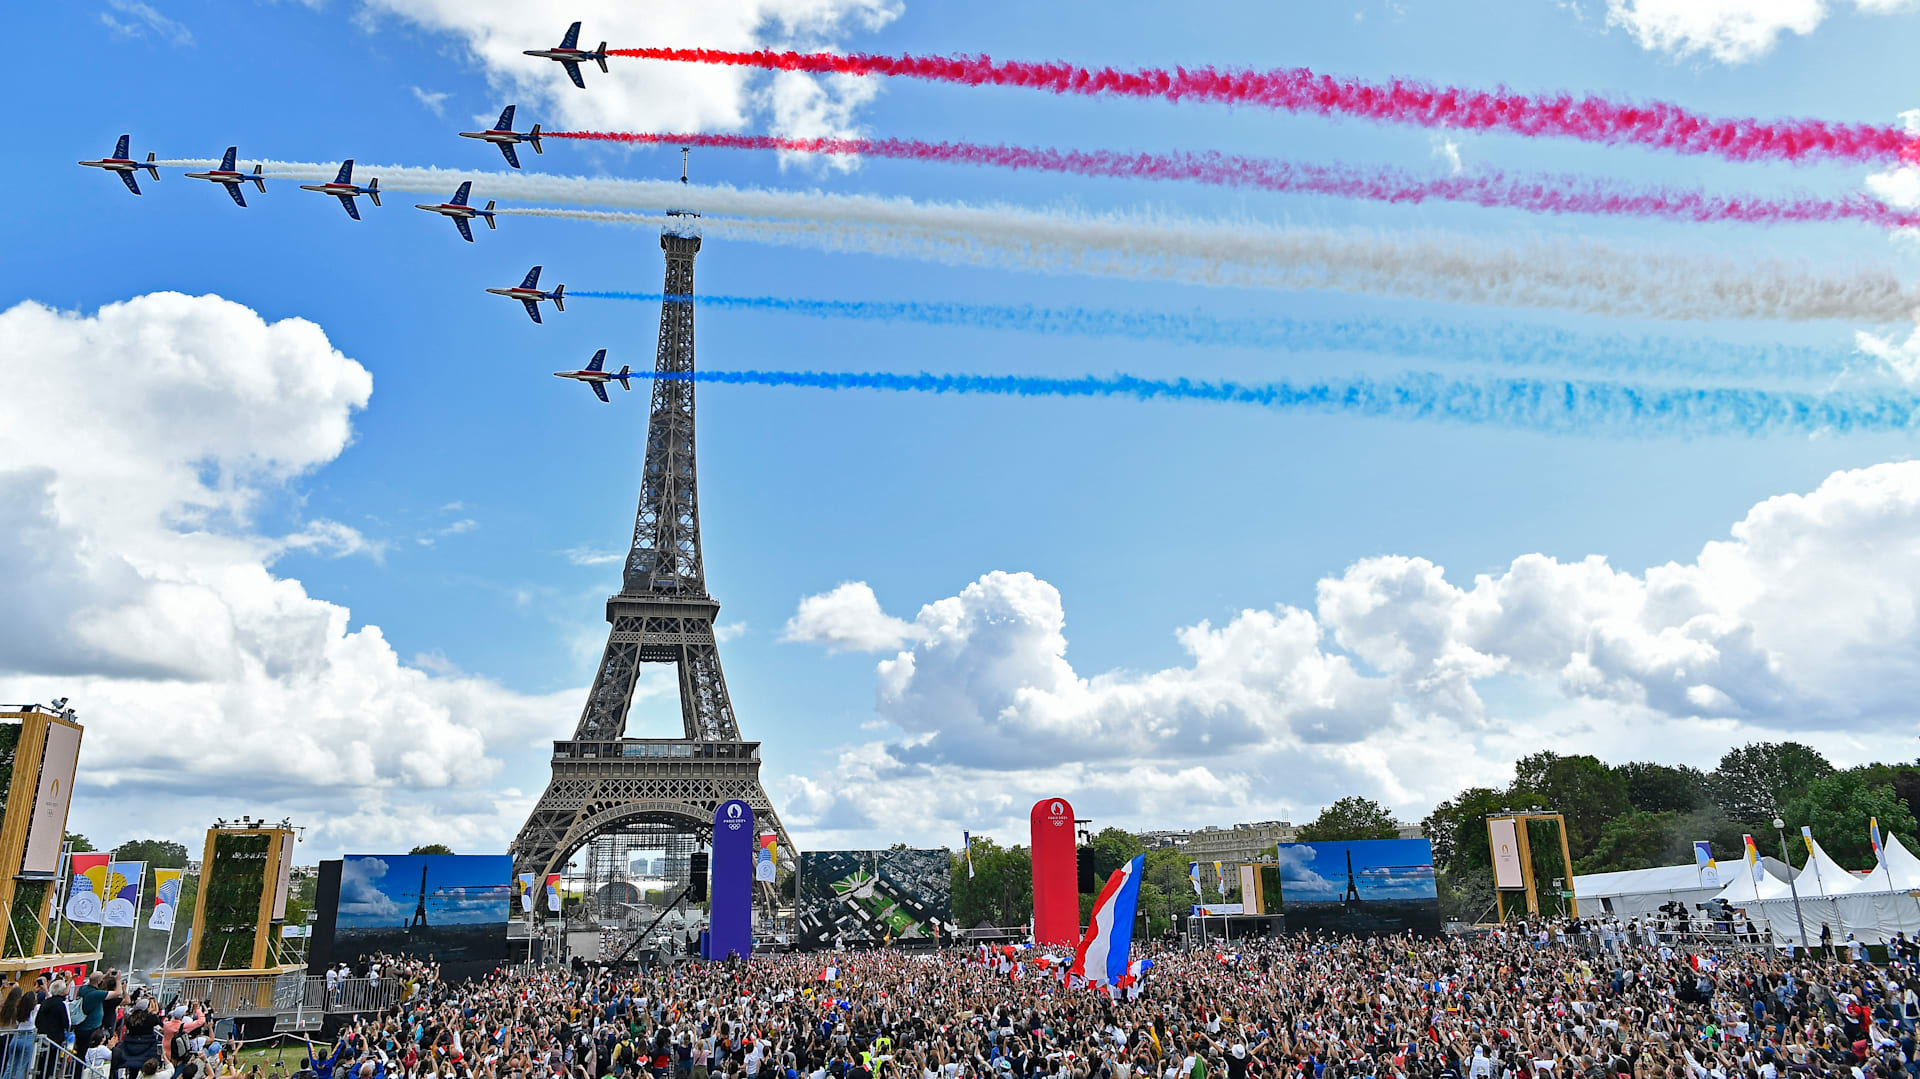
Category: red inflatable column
[1056,893]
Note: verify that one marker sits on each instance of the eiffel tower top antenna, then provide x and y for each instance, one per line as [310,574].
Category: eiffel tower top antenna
[684,151]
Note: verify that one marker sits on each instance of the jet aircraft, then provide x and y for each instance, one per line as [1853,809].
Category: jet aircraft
[344,189]
[595,376]
[460,211]
[227,175]
[571,56]
[124,166]
[504,136]
[528,293]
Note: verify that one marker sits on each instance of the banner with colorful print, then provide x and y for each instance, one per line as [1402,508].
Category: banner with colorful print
[123,894]
[553,892]
[763,857]
[166,898]
[86,894]
[526,892]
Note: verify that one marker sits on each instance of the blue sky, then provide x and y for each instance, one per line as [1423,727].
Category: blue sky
[462,508]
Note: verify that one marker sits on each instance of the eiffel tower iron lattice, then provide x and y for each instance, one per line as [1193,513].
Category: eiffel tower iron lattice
[602,780]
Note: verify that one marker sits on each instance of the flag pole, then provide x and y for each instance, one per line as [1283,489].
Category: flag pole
[139,894]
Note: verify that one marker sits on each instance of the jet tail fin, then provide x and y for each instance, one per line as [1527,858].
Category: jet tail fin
[626,371]
[259,181]
[151,167]
[490,223]
[603,58]
[534,138]
[373,190]
[559,297]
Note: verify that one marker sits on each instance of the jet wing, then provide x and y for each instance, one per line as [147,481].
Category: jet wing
[573,72]
[599,390]
[507,149]
[465,232]
[533,310]
[347,201]
[234,190]
[127,178]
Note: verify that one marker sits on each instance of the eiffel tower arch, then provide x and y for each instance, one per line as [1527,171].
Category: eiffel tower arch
[605,783]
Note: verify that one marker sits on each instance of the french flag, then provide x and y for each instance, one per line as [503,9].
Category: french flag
[831,974]
[1104,951]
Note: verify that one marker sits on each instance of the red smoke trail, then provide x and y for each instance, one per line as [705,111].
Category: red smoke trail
[1542,194]
[1592,119]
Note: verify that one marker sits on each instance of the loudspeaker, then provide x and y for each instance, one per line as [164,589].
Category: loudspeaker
[697,876]
[1084,863]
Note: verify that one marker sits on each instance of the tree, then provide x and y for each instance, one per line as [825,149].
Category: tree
[1665,788]
[432,848]
[157,853]
[1457,828]
[81,844]
[1112,848]
[1753,782]
[1837,807]
[1635,840]
[1349,819]
[1581,788]
[1001,890]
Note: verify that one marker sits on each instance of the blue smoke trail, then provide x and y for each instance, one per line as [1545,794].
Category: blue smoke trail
[1511,344]
[1545,405]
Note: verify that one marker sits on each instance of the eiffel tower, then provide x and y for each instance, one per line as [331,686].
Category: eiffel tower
[603,782]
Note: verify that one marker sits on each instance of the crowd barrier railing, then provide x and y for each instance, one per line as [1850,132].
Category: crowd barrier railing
[25,1055]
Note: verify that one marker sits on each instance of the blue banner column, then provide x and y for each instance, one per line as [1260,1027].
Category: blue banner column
[730,919]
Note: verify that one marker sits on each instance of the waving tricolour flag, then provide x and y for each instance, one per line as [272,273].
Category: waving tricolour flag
[1193,874]
[1103,953]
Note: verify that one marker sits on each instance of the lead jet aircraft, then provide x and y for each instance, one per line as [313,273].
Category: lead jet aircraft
[344,189]
[460,211]
[527,293]
[504,136]
[595,376]
[571,56]
[231,178]
[124,166]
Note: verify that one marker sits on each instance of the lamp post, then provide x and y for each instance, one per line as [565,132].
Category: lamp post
[1780,827]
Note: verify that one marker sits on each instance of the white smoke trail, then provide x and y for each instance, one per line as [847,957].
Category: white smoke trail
[1582,276]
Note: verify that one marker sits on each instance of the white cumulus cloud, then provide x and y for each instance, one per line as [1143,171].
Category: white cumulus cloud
[1730,31]
[142,588]
[846,619]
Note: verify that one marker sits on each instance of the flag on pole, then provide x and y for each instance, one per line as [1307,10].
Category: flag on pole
[122,894]
[86,896]
[966,840]
[166,898]
[1193,874]
[526,892]
[1753,859]
[1104,951]
[553,892]
[1704,865]
[1219,878]
[1873,834]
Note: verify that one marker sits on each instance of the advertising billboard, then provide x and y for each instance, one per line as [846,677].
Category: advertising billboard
[1367,887]
[55,790]
[874,897]
[1503,840]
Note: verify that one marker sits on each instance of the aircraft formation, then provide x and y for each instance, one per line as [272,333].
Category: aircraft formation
[459,209]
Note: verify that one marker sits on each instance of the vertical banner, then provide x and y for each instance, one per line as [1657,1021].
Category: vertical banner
[1250,898]
[765,856]
[730,876]
[1193,874]
[1503,837]
[526,892]
[86,896]
[1754,865]
[166,898]
[1704,864]
[1219,878]
[966,841]
[123,894]
[283,878]
[553,892]
[1056,886]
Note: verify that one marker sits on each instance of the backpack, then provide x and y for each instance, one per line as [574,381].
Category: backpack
[179,1048]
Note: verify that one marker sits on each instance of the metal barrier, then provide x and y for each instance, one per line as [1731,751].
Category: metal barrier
[349,995]
[30,1056]
[251,994]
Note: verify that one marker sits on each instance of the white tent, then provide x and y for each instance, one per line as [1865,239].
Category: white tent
[1883,901]
[1635,893]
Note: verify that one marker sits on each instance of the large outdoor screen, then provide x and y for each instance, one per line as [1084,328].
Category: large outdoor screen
[452,908]
[1368,887]
[874,897]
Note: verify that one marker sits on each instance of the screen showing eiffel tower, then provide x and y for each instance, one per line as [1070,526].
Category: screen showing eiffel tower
[450,907]
[1365,887]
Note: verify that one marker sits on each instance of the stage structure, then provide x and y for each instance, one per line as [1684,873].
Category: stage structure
[1512,854]
[39,756]
[244,876]
[660,789]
